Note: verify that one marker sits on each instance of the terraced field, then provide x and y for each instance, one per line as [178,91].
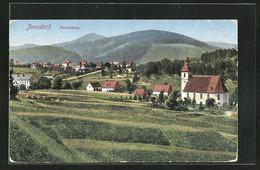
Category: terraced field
[79,126]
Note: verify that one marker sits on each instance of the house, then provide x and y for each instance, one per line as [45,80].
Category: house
[93,87]
[47,64]
[202,87]
[99,65]
[129,64]
[57,65]
[111,86]
[48,75]
[122,65]
[35,65]
[66,63]
[141,92]
[26,79]
[17,63]
[166,89]
[81,67]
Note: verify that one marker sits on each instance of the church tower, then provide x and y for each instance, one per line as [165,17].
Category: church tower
[185,75]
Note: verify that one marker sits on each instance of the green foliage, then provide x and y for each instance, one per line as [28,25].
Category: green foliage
[22,87]
[193,103]
[129,86]
[57,83]
[66,85]
[76,84]
[103,73]
[210,102]
[13,89]
[43,83]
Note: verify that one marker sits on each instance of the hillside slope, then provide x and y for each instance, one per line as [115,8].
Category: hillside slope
[137,45]
[44,54]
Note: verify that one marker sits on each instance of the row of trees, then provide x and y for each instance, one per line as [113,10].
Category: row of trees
[219,62]
[174,102]
[57,83]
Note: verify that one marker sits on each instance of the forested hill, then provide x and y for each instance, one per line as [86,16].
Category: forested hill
[219,62]
[43,54]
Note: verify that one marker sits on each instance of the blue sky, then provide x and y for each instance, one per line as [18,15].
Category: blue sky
[203,30]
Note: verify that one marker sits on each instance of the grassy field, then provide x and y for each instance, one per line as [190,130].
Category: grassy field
[88,127]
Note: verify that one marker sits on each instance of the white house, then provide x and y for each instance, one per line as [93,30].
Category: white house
[202,87]
[110,86]
[166,89]
[93,87]
[25,79]
[66,63]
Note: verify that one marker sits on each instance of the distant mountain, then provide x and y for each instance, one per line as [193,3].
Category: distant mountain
[140,47]
[23,46]
[84,39]
[44,54]
[222,45]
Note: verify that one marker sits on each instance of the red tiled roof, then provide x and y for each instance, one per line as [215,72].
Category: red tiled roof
[17,63]
[141,92]
[165,88]
[47,63]
[67,61]
[95,84]
[205,84]
[57,65]
[110,84]
[187,58]
[185,68]
[99,64]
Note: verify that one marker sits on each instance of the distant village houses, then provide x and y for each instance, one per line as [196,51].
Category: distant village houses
[47,65]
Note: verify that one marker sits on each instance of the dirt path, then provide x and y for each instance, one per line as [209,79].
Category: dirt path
[130,123]
[84,75]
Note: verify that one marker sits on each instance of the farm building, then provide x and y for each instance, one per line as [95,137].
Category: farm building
[99,65]
[203,87]
[141,92]
[93,87]
[81,66]
[111,86]
[25,79]
[35,65]
[47,64]
[66,63]
[167,89]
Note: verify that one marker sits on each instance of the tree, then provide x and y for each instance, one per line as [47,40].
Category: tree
[44,83]
[161,98]
[22,87]
[66,85]
[187,101]
[139,98]
[57,83]
[103,73]
[129,86]
[193,103]
[11,62]
[120,70]
[13,89]
[135,78]
[76,84]
[172,101]
[210,102]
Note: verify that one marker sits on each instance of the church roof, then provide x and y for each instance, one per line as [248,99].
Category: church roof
[205,84]
[185,68]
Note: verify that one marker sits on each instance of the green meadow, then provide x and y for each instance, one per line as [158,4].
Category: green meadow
[75,126]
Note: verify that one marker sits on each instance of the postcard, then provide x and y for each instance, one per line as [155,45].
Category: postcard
[122,91]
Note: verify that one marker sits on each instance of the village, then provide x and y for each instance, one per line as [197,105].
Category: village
[201,90]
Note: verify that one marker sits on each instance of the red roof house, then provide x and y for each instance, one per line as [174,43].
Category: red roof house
[167,89]
[110,86]
[141,92]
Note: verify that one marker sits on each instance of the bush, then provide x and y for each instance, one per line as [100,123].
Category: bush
[76,84]
[135,98]
[22,87]
[66,85]
[210,102]
[57,83]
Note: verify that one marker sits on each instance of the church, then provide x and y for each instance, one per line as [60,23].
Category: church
[202,87]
